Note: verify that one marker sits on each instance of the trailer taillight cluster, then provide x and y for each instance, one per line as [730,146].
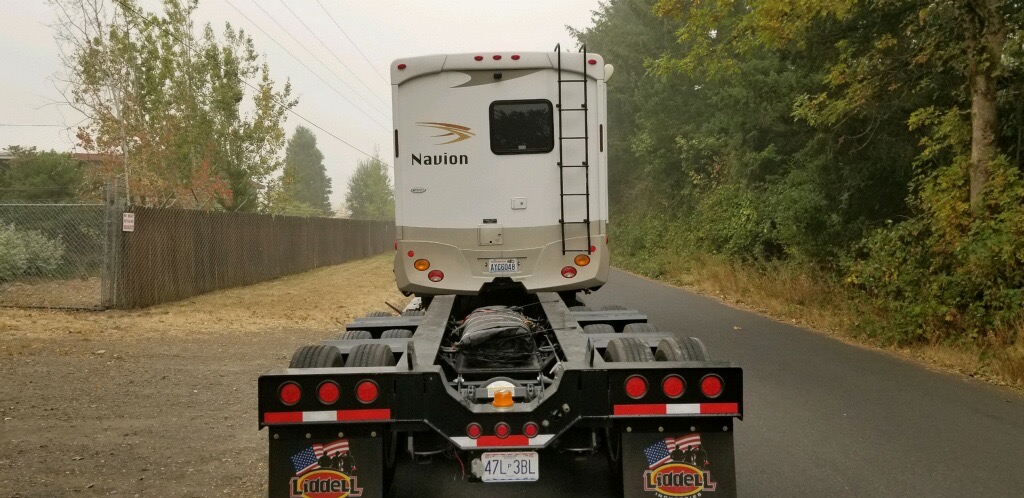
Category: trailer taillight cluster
[328,392]
[711,385]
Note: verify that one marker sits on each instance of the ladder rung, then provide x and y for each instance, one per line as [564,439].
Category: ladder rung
[571,81]
[585,193]
[578,250]
[572,109]
[573,138]
[572,165]
[584,222]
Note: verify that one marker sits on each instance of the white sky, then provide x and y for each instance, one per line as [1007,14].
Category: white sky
[383,29]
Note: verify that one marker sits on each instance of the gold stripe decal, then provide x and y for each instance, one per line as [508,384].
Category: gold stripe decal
[458,131]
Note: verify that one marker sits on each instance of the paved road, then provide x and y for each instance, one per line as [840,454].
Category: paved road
[822,418]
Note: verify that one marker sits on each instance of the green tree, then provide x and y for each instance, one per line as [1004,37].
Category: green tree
[370,195]
[32,175]
[305,179]
[182,115]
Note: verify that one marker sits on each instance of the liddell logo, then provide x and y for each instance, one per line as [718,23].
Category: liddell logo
[459,132]
[678,467]
[325,484]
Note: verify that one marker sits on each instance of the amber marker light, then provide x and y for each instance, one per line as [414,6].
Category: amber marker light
[503,398]
[421,265]
[581,260]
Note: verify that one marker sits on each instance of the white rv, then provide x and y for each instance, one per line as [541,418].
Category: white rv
[500,171]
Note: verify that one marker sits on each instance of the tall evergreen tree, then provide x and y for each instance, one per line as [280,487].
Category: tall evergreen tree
[370,195]
[305,177]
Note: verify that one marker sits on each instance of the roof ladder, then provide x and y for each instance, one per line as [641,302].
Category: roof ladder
[564,163]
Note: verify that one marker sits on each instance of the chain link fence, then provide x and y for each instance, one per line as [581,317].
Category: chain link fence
[106,255]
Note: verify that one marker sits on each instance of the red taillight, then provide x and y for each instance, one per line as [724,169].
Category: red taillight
[401,67]
[531,429]
[367,391]
[636,387]
[478,58]
[515,57]
[593,249]
[502,430]
[436,276]
[711,385]
[411,253]
[396,244]
[289,393]
[474,430]
[568,272]
[328,392]
[592,62]
[497,57]
[673,386]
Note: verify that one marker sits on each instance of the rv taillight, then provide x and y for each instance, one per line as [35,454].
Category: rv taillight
[515,57]
[367,391]
[568,272]
[401,67]
[396,244]
[478,58]
[289,393]
[435,275]
[593,249]
[592,62]
[497,57]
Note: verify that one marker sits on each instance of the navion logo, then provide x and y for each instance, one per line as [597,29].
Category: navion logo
[459,132]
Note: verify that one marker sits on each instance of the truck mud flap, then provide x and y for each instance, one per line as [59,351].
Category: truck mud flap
[321,462]
[679,463]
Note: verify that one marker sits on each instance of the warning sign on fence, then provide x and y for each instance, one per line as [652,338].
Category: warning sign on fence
[128,222]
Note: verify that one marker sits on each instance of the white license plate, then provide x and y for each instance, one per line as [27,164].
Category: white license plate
[503,265]
[510,467]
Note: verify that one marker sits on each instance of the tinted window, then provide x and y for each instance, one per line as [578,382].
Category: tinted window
[522,127]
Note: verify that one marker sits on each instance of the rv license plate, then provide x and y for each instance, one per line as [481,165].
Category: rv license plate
[503,265]
[510,467]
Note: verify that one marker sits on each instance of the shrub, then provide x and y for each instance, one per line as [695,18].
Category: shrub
[28,253]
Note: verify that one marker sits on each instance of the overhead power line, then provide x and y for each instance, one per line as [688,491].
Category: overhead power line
[311,54]
[190,48]
[354,75]
[382,78]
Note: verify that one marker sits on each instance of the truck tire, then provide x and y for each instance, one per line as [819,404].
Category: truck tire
[580,308]
[598,328]
[319,356]
[371,355]
[396,334]
[613,307]
[627,349]
[681,349]
[379,314]
[414,313]
[639,328]
[355,334]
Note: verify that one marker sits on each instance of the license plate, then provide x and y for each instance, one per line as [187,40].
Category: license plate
[515,466]
[503,265]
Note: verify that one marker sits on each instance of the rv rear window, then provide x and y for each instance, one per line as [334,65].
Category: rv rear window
[522,127]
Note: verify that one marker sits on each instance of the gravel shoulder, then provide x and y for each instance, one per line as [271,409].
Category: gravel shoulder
[162,401]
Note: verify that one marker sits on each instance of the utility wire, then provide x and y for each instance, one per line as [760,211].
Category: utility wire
[354,75]
[311,54]
[34,125]
[190,48]
[382,78]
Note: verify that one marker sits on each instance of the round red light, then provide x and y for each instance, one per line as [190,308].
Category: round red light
[592,62]
[436,275]
[401,66]
[568,272]
[474,430]
[411,253]
[289,393]
[531,429]
[497,57]
[502,430]
[636,387]
[367,391]
[396,244]
[328,392]
[593,248]
[515,57]
[478,58]
[673,386]
[711,385]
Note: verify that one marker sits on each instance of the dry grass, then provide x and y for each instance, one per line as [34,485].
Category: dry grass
[814,302]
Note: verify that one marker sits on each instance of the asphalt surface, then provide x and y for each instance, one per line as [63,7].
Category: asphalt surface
[822,418]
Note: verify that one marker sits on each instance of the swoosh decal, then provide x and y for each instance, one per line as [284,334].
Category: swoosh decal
[453,130]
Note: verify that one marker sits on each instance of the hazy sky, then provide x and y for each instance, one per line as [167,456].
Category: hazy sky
[382,29]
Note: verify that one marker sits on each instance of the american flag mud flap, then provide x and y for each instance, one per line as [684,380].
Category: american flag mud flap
[326,461]
[698,462]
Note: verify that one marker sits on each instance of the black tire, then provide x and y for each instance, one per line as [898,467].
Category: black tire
[627,349]
[355,334]
[396,334]
[613,307]
[319,356]
[580,308]
[370,355]
[598,328]
[682,349]
[378,314]
[414,313]
[639,328]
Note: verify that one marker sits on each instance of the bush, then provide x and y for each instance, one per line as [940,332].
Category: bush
[28,253]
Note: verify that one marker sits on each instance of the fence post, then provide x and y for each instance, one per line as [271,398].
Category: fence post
[114,207]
